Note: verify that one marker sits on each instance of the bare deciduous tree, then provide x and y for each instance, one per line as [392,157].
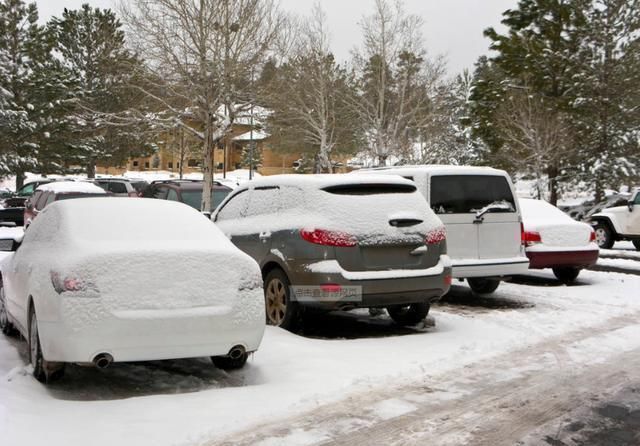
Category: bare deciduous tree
[201,55]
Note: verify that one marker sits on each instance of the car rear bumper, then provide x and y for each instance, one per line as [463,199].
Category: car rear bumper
[139,337]
[371,289]
[463,268]
[553,259]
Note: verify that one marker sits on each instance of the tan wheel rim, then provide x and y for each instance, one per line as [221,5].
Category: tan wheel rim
[276,302]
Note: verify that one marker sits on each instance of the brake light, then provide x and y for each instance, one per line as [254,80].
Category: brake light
[592,236]
[70,284]
[531,238]
[448,280]
[436,235]
[328,238]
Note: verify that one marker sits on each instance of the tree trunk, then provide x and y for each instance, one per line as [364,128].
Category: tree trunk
[552,172]
[91,169]
[207,168]
[20,177]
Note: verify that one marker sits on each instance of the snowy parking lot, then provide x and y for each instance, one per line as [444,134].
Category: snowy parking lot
[477,362]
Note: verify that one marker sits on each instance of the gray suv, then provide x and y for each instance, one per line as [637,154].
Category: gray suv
[339,242]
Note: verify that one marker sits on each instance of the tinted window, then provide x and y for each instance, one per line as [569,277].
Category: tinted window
[194,197]
[139,185]
[637,200]
[370,189]
[235,208]
[103,184]
[117,188]
[172,195]
[462,194]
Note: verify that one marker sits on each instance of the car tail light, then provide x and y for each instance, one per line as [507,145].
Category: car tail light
[592,236]
[71,284]
[448,280]
[436,236]
[328,238]
[531,238]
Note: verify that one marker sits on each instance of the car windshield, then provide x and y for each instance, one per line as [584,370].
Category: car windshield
[463,194]
[67,196]
[194,197]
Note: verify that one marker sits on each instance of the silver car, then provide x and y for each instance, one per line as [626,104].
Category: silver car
[339,242]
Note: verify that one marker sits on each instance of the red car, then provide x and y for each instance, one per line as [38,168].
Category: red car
[554,240]
[58,190]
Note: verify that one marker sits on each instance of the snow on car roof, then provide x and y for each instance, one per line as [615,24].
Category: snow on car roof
[440,169]
[128,219]
[319,181]
[72,186]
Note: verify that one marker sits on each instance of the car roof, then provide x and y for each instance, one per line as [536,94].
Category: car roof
[318,181]
[189,184]
[58,187]
[439,169]
[112,179]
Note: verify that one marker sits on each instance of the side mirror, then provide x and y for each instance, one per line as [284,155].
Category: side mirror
[9,245]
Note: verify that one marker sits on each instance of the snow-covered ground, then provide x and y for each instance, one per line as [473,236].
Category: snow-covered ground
[188,402]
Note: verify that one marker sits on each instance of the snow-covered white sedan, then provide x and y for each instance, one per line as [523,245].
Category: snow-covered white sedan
[101,280]
[554,240]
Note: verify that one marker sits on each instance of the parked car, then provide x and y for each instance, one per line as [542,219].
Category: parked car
[553,240]
[139,185]
[614,200]
[18,199]
[187,191]
[97,281]
[478,208]
[339,242]
[120,187]
[59,190]
[621,222]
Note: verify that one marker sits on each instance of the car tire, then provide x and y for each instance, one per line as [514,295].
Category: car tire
[6,327]
[481,285]
[566,275]
[408,315]
[229,363]
[281,311]
[43,370]
[636,243]
[604,236]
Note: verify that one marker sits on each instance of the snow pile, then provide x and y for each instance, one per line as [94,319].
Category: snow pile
[81,187]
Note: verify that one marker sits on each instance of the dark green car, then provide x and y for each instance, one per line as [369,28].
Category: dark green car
[340,242]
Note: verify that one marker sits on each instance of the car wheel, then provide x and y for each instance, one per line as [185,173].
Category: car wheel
[481,285]
[636,243]
[281,310]
[604,237]
[5,326]
[566,275]
[409,314]
[43,370]
[229,363]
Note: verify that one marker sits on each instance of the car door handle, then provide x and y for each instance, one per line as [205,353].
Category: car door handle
[264,236]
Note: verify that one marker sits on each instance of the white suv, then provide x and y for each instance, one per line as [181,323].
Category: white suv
[618,223]
[480,212]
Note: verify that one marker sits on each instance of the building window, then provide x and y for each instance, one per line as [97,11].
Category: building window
[178,165]
[135,164]
[146,165]
[193,163]
[220,166]
[170,165]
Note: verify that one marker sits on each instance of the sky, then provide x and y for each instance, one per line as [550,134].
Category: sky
[452,27]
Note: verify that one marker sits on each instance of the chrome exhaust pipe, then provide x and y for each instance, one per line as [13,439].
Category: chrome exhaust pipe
[103,360]
[236,352]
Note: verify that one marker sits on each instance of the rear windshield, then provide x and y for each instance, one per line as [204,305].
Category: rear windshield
[370,189]
[463,194]
[139,185]
[194,197]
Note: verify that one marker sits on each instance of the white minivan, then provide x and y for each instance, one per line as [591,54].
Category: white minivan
[480,211]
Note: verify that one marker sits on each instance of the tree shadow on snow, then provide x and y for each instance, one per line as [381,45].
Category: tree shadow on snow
[136,379]
[461,297]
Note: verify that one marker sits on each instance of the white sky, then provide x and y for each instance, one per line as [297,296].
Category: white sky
[453,27]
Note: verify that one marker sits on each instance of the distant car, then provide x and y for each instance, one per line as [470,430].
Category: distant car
[55,191]
[20,196]
[478,208]
[187,192]
[97,281]
[139,185]
[614,200]
[619,222]
[553,240]
[339,242]
[120,187]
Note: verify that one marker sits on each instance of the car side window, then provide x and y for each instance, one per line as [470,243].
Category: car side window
[50,199]
[637,199]
[172,195]
[264,200]
[234,208]
[26,190]
[41,200]
[31,202]
[117,187]
[160,192]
